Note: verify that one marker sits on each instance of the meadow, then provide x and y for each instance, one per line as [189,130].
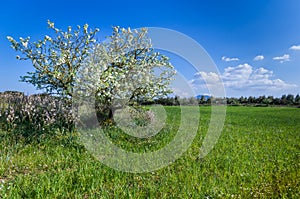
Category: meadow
[257,156]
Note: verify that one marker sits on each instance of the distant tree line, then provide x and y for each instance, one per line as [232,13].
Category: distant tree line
[284,100]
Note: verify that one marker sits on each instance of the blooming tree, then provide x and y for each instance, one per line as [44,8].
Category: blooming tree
[124,69]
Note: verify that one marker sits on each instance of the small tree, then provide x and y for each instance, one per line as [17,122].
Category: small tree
[290,98]
[251,100]
[283,100]
[270,99]
[56,59]
[202,100]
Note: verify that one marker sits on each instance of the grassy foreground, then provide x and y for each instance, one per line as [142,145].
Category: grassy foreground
[257,156]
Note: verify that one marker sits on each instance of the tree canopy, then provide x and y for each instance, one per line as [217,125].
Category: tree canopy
[56,59]
[125,55]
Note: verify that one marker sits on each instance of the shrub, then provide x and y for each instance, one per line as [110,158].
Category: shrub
[36,114]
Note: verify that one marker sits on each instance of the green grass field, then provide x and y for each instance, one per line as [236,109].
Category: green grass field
[257,156]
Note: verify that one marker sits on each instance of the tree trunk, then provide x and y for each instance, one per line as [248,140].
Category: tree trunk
[104,115]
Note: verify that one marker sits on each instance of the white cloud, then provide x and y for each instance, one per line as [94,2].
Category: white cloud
[210,82]
[227,59]
[237,75]
[209,78]
[243,80]
[284,58]
[258,58]
[295,47]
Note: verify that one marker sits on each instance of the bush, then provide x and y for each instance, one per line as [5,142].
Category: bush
[36,114]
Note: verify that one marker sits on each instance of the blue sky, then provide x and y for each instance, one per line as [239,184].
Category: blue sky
[232,32]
